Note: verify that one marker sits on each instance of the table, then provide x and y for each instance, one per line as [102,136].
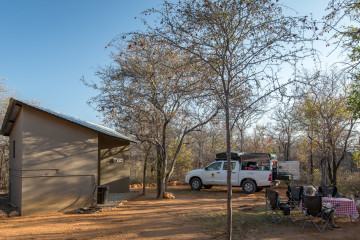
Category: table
[347,206]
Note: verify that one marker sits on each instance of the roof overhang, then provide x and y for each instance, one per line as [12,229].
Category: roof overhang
[10,117]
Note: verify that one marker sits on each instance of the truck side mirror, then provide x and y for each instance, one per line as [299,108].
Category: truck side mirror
[206,168]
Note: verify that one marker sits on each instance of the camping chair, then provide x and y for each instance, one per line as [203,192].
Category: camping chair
[313,209]
[325,191]
[274,206]
[294,194]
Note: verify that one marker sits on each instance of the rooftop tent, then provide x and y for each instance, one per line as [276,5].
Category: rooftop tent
[256,157]
[234,155]
[244,156]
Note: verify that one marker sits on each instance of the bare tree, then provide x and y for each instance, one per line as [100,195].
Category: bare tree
[206,143]
[151,88]
[245,120]
[243,42]
[284,129]
[143,152]
[259,141]
[323,114]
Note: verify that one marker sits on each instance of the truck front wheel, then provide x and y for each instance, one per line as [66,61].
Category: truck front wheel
[248,187]
[196,184]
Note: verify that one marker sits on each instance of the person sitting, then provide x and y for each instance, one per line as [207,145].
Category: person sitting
[311,191]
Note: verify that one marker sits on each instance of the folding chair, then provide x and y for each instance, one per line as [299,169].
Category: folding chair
[324,191]
[294,194]
[274,206]
[313,209]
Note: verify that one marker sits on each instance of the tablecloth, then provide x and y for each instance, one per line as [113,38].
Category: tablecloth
[347,206]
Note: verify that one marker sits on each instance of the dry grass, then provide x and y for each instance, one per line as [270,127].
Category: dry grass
[245,219]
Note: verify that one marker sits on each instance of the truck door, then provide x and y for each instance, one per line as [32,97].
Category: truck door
[212,175]
[234,173]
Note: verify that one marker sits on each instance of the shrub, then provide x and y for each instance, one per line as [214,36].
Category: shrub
[348,182]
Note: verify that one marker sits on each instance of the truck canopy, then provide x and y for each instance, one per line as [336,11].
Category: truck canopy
[246,157]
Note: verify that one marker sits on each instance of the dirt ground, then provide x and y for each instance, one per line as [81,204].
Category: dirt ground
[145,217]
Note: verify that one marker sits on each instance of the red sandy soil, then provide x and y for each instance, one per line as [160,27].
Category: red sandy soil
[145,217]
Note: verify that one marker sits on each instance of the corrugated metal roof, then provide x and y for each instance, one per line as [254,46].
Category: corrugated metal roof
[90,125]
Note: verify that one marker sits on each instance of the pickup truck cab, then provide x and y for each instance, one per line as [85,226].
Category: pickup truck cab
[251,172]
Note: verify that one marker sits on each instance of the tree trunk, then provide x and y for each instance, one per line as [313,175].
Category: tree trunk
[147,153]
[288,147]
[158,172]
[163,183]
[144,177]
[241,140]
[334,183]
[171,170]
[333,164]
[1,170]
[323,172]
[228,158]
[200,144]
[329,170]
[1,180]
[311,159]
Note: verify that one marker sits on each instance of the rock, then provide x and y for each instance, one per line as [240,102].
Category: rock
[169,195]
[174,183]
[3,214]
[14,214]
[122,203]
[136,186]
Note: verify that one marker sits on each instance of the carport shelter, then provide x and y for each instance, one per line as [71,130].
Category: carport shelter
[56,161]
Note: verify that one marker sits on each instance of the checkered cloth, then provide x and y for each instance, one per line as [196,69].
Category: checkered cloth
[347,206]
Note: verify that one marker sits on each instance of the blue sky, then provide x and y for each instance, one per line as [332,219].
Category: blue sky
[46,46]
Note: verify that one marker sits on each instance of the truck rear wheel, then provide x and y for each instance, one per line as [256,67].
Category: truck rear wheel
[195,184]
[248,187]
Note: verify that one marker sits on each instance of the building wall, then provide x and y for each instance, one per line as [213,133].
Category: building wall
[15,161]
[60,161]
[116,175]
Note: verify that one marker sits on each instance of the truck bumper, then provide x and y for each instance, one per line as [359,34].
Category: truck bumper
[187,179]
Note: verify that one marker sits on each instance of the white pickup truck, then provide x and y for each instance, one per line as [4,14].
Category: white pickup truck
[252,172]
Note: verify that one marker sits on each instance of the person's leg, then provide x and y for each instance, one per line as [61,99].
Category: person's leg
[332,222]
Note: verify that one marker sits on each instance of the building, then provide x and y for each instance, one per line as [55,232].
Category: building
[57,161]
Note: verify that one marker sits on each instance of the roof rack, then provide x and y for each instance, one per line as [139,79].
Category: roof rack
[244,156]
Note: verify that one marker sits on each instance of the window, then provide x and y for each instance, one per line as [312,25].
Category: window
[13,149]
[214,166]
[233,164]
